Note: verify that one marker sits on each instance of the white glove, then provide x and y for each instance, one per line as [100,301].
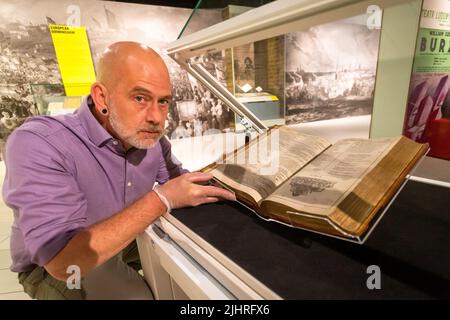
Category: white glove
[186,191]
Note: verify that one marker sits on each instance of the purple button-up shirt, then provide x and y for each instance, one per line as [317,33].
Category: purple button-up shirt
[66,173]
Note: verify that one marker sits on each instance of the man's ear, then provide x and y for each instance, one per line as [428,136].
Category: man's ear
[99,95]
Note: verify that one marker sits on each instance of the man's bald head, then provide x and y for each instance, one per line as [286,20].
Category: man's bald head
[132,94]
[123,57]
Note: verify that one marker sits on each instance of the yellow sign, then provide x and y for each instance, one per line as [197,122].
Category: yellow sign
[74,58]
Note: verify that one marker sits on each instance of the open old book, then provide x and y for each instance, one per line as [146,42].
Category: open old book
[337,190]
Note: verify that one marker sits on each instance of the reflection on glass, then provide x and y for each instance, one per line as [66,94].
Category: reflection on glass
[323,72]
[214,11]
[48,97]
[254,74]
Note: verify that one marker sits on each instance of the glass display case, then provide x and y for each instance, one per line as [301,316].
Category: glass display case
[225,8]
[298,62]
[320,61]
[51,99]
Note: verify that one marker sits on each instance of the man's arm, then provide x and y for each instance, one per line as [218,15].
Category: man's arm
[93,246]
[51,209]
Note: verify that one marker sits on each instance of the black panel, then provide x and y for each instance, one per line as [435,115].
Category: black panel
[410,245]
[205,4]
[176,3]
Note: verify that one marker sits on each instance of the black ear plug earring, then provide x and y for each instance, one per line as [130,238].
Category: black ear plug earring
[105,111]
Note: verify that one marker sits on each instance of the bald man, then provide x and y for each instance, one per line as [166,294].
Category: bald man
[82,186]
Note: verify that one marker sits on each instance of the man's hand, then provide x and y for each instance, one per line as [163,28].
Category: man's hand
[187,190]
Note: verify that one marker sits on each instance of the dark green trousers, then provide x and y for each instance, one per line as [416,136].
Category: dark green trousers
[39,284]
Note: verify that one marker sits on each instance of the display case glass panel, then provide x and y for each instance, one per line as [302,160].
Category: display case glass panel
[226,9]
[306,61]
[51,99]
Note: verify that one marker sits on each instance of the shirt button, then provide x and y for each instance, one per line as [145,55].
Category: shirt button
[129,183]
[115,142]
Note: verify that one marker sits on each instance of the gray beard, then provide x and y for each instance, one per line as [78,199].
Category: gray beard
[132,139]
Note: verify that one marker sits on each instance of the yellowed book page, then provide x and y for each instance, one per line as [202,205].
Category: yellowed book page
[269,161]
[377,187]
[322,184]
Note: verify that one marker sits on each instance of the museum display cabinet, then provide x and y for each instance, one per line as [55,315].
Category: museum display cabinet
[224,251]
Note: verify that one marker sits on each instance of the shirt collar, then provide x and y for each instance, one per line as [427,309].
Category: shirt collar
[97,134]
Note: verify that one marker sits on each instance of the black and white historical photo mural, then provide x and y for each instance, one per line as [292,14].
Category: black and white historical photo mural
[29,70]
[330,71]
[244,68]
[196,111]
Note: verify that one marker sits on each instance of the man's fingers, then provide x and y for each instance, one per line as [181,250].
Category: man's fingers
[219,193]
[210,200]
[199,177]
